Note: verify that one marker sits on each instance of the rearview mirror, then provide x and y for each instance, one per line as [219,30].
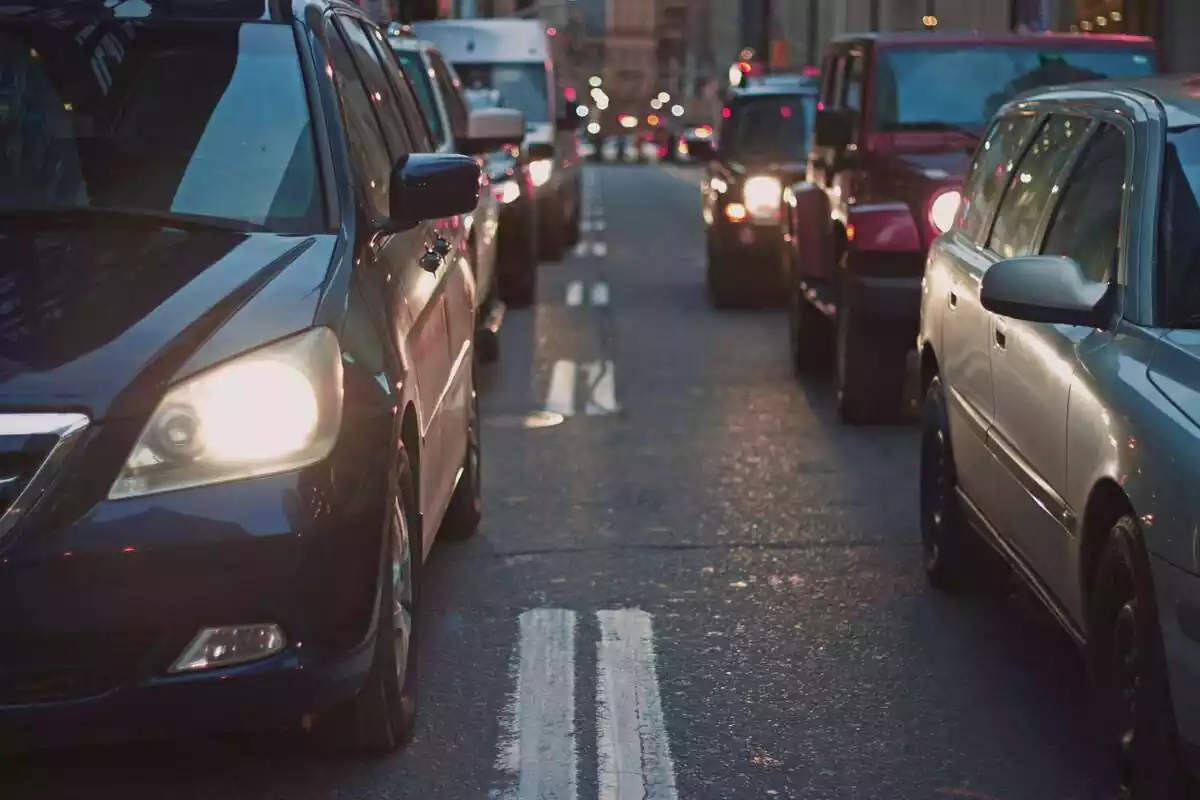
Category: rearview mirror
[539,151]
[432,186]
[832,128]
[1051,289]
[489,129]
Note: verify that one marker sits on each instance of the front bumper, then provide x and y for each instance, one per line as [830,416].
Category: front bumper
[94,610]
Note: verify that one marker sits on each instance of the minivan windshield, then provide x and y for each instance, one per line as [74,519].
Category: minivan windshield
[522,86]
[203,122]
[767,127]
[912,91]
[1179,230]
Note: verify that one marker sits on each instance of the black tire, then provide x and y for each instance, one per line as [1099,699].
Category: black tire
[720,291]
[382,715]
[574,226]
[487,346]
[955,558]
[811,336]
[871,362]
[1128,670]
[552,236]
[518,273]
[465,511]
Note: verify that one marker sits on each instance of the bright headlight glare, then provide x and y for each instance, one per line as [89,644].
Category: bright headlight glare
[509,191]
[944,209]
[272,410]
[539,171]
[762,195]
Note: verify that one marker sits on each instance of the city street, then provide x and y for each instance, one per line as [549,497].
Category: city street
[691,582]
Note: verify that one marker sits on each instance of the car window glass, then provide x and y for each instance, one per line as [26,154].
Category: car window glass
[852,90]
[418,76]
[835,87]
[1179,229]
[368,151]
[828,77]
[418,128]
[384,100]
[1087,222]
[1034,184]
[990,171]
[452,94]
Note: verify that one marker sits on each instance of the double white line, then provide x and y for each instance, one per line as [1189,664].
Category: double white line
[599,293]
[597,249]
[600,382]
[539,752]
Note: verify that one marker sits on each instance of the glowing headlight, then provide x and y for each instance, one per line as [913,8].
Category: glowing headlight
[272,410]
[762,196]
[539,171]
[944,209]
[508,191]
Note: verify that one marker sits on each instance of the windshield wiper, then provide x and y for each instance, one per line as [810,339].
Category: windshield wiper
[933,125]
[89,215]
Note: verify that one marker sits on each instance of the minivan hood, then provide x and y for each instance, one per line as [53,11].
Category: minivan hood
[103,320]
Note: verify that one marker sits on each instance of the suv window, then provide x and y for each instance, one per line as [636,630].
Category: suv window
[410,109]
[1087,223]
[853,86]
[387,109]
[418,75]
[1033,185]
[368,151]
[990,172]
[452,94]
[1179,228]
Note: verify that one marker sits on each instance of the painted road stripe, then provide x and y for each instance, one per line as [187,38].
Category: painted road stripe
[587,226]
[633,748]
[598,225]
[575,293]
[581,249]
[599,294]
[599,249]
[561,396]
[538,753]
[601,383]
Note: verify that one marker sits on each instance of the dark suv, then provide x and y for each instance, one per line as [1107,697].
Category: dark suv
[236,389]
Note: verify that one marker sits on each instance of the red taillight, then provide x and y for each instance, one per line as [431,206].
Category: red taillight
[725,112]
[785,112]
[811,71]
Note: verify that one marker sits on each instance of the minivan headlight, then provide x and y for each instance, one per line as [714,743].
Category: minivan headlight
[271,410]
[944,209]
[539,171]
[762,196]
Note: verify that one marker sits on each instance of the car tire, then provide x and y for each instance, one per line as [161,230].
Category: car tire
[811,336]
[465,510]
[955,558]
[381,716]
[1127,665]
[871,366]
[487,345]
[575,226]
[552,236]
[720,292]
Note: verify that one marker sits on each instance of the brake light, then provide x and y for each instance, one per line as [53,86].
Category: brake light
[735,212]
[785,112]
[725,112]
[811,71]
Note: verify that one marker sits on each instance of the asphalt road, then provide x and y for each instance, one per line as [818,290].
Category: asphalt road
[698,585]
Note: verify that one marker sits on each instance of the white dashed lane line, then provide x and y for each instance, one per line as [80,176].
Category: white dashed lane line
[599,384]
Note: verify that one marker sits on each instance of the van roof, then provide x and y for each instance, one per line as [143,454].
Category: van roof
[467,41]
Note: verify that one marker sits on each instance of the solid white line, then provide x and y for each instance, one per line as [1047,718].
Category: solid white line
[600,294]
[602,388]
[634,751]
[581,249]
[575,293]
[586,226]
[538,751]
[598,225]
[561,396]
[599,249]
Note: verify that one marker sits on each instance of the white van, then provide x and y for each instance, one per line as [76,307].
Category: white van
[512,56]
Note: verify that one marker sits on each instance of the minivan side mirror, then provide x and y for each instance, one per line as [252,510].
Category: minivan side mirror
[1051,289]
[539,151]
[432,186]
[489,129]
[832,128]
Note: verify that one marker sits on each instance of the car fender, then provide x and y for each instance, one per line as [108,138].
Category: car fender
[810,229]
[882,228]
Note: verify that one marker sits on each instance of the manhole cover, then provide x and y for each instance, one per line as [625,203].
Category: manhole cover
[537,419]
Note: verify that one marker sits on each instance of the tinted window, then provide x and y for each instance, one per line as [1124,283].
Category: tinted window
[368,152]
[911,90]
[107,121]
[852,91]
[1087,223]
[387,109]
[452,93]
[523,86]
[1034,184]
[1179,227]
[418,75]
[418,128]
[768,127]
[990,173]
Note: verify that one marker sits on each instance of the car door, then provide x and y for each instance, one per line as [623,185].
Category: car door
[1033,363]
[844,182]
[413,295]
[820,156]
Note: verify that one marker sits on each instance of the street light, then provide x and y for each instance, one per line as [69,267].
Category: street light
[627,121]
[581,111]
[663,97]
[677,110]
[656,104]
[595,80]
[593,128]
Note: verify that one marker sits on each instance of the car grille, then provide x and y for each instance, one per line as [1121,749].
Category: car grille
[49,669]
[33,448]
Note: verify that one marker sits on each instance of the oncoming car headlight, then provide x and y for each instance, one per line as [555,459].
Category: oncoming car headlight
[944,209]
[762,196]
[539,171]
[271,410]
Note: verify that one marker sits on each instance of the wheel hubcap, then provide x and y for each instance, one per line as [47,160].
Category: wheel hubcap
[402,590]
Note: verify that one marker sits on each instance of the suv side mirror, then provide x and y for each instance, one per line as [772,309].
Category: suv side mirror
[432,186]
[489,129]
[832,128]
[1051,289]
[539,151]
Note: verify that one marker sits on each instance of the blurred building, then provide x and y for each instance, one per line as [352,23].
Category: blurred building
[1175,23]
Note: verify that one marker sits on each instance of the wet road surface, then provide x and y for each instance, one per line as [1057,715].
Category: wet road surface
[698,585]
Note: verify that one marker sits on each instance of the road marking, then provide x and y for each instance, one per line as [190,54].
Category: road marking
[598,225]
[575,293]
[633,748]
[561,396]
[599,249]
[538,752]
[581,249]
[602,388]
[587,226]
[599,294]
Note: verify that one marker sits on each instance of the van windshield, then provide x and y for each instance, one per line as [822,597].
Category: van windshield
[520,86]
[912,93]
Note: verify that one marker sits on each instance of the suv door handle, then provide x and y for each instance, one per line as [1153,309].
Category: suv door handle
[954,299]
[1001,338]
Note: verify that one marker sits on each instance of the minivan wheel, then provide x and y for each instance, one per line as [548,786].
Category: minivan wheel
[1129,673]
[382,715]
[466,504]
[955,558]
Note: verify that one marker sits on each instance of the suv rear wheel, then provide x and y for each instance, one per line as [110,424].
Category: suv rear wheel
[871,365]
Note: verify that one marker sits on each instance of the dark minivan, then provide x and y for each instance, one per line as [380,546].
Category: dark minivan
[236,373]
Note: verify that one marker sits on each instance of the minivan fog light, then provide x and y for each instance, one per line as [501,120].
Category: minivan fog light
[228,646]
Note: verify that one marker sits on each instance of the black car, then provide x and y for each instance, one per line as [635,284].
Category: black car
[760,148]
[234,404]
